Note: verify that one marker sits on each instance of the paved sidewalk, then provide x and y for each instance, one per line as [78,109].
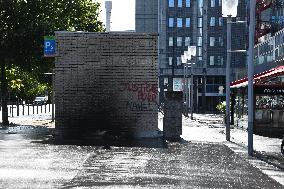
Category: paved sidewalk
[209,127]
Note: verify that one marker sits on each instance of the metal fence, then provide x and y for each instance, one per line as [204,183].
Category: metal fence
[28,109]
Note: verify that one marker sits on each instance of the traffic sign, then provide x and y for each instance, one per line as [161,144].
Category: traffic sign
[49,46]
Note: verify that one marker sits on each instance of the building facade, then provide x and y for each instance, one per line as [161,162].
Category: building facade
[183,23]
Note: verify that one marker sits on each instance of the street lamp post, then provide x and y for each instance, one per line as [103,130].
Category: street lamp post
[229,10]
[188,58]
[184,58]
[250,76]
[192,50]
[184,61]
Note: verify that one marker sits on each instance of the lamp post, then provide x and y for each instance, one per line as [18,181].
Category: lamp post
[187,54]
[183,61]
[184,58]
[250,76]
[192,50]
[229,10]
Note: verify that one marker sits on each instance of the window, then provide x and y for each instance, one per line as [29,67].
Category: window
[220,2]
[171,41]
[212,41]
[179,22]
[171,22]
[166,80]
[187,22]
[170,61]
[212,21]
[220,60]
[187,3]
[200,3]
[199,51]
[178,61]
[187,41]
[179,3]
[220,40]
[213,3]
[179,41]
[200,32]
[171,3]
[199,24]
[199,41]
[220,21]
[211,63]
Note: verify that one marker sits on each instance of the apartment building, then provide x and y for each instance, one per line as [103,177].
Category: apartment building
[183,23]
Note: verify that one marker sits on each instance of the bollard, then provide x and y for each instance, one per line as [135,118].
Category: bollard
[172,121]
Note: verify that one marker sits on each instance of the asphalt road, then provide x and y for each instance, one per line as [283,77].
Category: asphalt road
[29,160]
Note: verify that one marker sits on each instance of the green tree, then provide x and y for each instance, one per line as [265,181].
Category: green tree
[23,23]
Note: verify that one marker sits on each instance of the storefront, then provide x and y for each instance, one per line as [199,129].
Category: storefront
[268,101]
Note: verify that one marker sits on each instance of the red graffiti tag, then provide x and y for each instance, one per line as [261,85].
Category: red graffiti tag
[145,92]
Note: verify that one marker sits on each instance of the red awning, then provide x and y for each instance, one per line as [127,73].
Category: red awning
[274,72]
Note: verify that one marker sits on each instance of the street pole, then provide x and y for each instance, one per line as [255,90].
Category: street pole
[184,86]
[228,63]
[187,92]
[191,93]
[4,86]
[52,105]
[250,76]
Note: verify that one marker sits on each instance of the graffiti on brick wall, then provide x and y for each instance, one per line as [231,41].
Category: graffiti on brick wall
[144,92]
[138,106]
[145,96]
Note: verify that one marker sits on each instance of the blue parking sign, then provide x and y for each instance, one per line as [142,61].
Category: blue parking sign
[49,46]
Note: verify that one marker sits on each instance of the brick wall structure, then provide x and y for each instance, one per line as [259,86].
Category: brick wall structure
[106,81]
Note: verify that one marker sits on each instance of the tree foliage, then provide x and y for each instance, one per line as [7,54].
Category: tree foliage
[23,25]
[26,85]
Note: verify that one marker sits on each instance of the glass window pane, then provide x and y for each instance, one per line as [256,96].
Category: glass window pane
[187,3]
[199,51]
[178,61]
[220,21]
[171,22]
[211,61]
[221,41]
[179,22]
[200,3]
[200,32]
[187,23]
[170,61]
[199,41]
[212,41]
[171,41]
[179,3]
[212,3]
[166,80]
[199,24]
[212,21]
[171,3]
[179,41]
[187,41]
[200,11]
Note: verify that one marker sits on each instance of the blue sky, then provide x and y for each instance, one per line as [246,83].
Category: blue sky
[123,14]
